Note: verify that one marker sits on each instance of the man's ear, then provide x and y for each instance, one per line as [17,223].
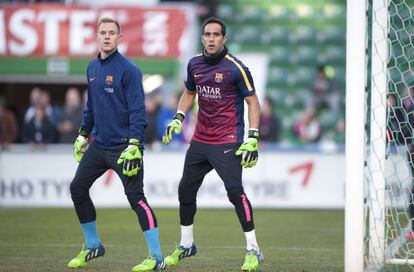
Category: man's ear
[224,38]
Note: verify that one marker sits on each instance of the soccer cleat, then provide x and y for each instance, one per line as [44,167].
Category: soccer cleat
[179,253]
[149,264]
[86,255]
[252,260]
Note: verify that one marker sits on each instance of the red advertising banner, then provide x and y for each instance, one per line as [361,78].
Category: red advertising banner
[70,31]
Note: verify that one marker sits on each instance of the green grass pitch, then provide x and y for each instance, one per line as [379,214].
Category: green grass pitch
[292,240]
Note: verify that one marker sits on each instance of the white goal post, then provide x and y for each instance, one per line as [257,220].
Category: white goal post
[354,137]
[379,135]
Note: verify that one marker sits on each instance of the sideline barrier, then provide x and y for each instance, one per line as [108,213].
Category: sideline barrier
[279,180]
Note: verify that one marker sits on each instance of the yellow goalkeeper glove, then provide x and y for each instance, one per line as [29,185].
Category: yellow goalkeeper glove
[131,158]
[249,149]
[79,147]
[173,127]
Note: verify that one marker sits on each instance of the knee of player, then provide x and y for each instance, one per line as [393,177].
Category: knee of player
[237,197]
[186,198]
[76,189]
[135,199]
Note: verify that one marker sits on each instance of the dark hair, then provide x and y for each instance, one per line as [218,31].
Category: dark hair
[109,20]
[321,68]
[217,21]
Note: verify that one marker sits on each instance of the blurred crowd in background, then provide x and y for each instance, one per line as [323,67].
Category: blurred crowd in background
[44,122]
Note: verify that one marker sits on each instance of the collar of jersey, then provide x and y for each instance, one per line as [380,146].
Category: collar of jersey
[214,59]
[111,56]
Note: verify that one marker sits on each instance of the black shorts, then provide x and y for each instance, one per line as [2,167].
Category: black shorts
[97,160]
[202,158]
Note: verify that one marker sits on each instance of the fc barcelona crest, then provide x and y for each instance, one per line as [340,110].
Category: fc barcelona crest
[219,77]
[109,80]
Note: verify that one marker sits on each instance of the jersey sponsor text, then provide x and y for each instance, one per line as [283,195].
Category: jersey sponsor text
[208,92]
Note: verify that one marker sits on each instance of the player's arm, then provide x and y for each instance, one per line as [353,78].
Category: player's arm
[184,105]
[131,157]
[253,110]
[135,99]
[186,101]
[249,149]
[88,121]
[244,82]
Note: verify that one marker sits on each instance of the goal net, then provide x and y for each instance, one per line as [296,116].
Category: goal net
[389,154]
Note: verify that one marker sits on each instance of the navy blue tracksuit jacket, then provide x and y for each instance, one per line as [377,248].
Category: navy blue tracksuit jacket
[115,110]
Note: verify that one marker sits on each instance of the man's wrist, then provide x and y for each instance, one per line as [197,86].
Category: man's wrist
[82,138]
[254,133]
[180,116]
[134,141]
[83,133]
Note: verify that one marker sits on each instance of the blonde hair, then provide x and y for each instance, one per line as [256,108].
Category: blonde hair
[109,20]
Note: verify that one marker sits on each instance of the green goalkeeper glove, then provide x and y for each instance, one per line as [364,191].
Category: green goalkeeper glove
[79,147]
[173,127]
[249,150]
[131,158]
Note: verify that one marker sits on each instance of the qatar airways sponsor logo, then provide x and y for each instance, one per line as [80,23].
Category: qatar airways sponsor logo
[208,92]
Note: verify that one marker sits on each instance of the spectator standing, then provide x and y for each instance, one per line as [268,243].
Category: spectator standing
[39,129]
[408,105]
[308,127]
[52,111]
[8,126]
[71,117]
[35,95]
[39,97]
[269,124]
[206,9]
[325,92]
[152,109]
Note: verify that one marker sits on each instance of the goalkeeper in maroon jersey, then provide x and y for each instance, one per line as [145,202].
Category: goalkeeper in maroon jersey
[222,84]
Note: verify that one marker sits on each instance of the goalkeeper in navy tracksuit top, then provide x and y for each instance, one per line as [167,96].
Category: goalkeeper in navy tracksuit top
[115,115]
[222,84]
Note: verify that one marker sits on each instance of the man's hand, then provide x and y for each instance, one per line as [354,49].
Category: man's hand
[173,127]
[79,147]
[131,158]
[249,150]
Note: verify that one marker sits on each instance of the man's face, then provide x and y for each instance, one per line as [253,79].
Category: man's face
[212,39]
[108,38]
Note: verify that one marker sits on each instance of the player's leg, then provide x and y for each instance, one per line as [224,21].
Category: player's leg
[90,168]
[196,167]
[228,167]
[134,190]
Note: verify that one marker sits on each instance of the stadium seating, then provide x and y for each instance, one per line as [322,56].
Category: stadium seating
[297,36]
